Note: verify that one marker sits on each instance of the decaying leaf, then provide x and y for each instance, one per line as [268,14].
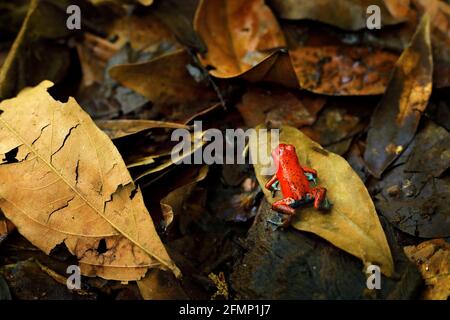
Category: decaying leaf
[396,118]
[74,188]
[161,285]
[334,129]
[414,194]
[165,80]
[121,128]
[173,203]
[348,70]
[5,227]
[275,106]
[345,14]
[221,285]
[24,64]
[238,34]
[433,260]
[398,8]
[352,224]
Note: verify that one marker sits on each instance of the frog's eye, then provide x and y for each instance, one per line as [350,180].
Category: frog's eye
[290,147]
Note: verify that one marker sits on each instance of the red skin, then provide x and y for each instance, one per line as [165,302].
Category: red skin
[293,181]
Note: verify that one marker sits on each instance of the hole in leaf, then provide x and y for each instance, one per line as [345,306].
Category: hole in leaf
[101,248]
[10,156]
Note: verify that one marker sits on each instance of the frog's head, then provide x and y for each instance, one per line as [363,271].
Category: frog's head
[283,148]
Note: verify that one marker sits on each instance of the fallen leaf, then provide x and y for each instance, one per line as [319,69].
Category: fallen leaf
[164,80]
[343,70]
[122,128]
[335,129]
[28,281]
[397,117]
[221,285]
[195,146]
[74,189]
[173,203]
[415,193]
[263,106]
[238,34]
[161,285]
[179,15]
[352,223]
[432,259]
[24,64]
[345,14]
[398,8]
[5,227]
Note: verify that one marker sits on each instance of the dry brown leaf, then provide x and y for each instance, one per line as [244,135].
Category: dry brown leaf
[124,127]
[348,70]
[397,117]
[164,80]
[263,106]
[433,260]
[74,188]
[161,285]
[276,68]
[5,228]
[398,8]
[352,223]
[345,14]
[238,34]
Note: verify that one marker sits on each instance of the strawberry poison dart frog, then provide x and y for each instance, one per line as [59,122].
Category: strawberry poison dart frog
[294,181]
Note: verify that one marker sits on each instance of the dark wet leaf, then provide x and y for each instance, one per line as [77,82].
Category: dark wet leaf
[396,118]
[31,59]
[415,194]
[27,281]
[263,106]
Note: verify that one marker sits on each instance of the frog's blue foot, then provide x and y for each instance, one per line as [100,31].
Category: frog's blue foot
[279,220]
[325,204]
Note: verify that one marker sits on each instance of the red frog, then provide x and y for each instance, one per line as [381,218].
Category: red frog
[294,180]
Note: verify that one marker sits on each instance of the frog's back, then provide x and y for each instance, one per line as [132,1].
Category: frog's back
[291,176]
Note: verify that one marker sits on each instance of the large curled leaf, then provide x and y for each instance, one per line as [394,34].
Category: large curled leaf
[352,224]
[397,117]
[239,34]
[164,80]
[68,184]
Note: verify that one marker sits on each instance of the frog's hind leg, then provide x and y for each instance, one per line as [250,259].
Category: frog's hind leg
[284,206]
[318,194]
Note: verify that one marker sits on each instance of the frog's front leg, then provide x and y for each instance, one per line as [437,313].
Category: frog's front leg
[269,184]
[319,194]
[310,170]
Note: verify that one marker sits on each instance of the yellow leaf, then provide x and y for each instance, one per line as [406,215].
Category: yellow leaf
[352,224]
[70,185]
